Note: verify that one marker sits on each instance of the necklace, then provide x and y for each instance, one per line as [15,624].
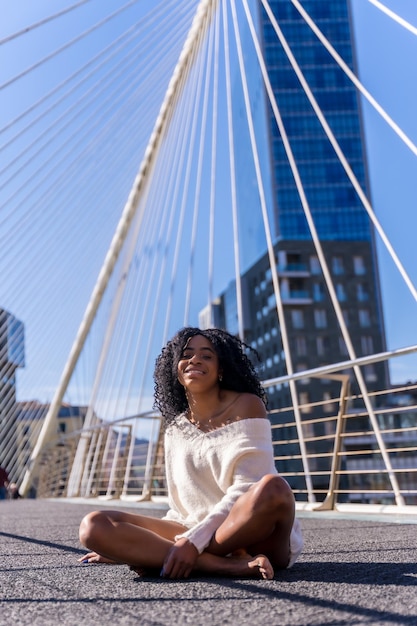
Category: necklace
[199,421]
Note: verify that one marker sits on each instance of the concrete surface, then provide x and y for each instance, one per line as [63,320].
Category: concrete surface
[351,572]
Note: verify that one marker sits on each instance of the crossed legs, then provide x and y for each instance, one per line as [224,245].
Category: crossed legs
[259,522]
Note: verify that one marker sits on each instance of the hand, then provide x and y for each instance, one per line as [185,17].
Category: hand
[180,560]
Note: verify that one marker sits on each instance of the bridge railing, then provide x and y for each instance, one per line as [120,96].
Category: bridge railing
[343,458]
[331,457]
[108,460]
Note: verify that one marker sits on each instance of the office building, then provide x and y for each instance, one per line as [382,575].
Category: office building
[12,356]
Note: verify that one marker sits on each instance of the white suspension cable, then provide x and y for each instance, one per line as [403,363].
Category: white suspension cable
[182,130]
[39,295]
[110,327]
[117,360]
[271,254]
[322,259]
[58,156]
[93,94]
[203,68]
[394,16]
[326,43]
[335,144]
[45,20]
[172,160]
[139,51]
[137,307]
[236,250]
[42,202]
[70,43]
[127,35]
[186,186]
[212,204]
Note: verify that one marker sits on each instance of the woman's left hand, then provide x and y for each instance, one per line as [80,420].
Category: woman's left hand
[180,560]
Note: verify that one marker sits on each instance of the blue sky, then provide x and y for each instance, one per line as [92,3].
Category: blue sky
[386,56]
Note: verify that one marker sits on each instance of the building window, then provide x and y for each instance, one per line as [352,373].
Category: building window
[315,265]
[337,265]
[367,344]
[318,292]
[343,347]
[362,294]
[320,318]
[370,374]
[328,404]
[324,380]
[340,292]
[300,346]
[308,431]
[297,318]
[359,265]
[301,367]
[304,400]
[322,344]
[364,318]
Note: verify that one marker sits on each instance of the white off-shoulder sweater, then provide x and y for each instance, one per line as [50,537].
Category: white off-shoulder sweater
[206,472]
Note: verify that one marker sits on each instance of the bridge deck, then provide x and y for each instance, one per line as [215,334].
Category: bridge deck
[352,571]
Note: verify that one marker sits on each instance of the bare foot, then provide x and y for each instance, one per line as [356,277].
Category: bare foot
[243,564]
[140,571]
[263,565]
[93,557]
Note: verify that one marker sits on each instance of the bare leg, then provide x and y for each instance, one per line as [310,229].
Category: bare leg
[260,521]
[144,542]
[122,537]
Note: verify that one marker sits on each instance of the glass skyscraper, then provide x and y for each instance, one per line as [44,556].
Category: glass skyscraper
[337,210]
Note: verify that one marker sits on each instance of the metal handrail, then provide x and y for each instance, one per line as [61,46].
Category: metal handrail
[346,464]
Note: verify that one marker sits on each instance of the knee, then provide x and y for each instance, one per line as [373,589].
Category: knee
[274,493]
[91,527]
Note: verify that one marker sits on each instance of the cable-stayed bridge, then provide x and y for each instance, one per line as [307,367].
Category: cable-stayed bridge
[126,147]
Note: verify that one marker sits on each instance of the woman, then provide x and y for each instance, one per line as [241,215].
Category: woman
[229,511]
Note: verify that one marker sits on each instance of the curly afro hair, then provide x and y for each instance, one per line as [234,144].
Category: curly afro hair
[238,373]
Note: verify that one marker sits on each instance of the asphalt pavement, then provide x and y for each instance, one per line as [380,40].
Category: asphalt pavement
[352,571]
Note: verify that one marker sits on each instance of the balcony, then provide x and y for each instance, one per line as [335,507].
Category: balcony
[298,270]
[297,297]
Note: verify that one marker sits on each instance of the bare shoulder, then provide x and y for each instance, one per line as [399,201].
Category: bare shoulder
[250,405]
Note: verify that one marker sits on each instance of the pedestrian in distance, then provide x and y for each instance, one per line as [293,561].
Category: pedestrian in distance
[4,483]
[230,513]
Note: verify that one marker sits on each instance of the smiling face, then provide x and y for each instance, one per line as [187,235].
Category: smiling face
[198,367]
